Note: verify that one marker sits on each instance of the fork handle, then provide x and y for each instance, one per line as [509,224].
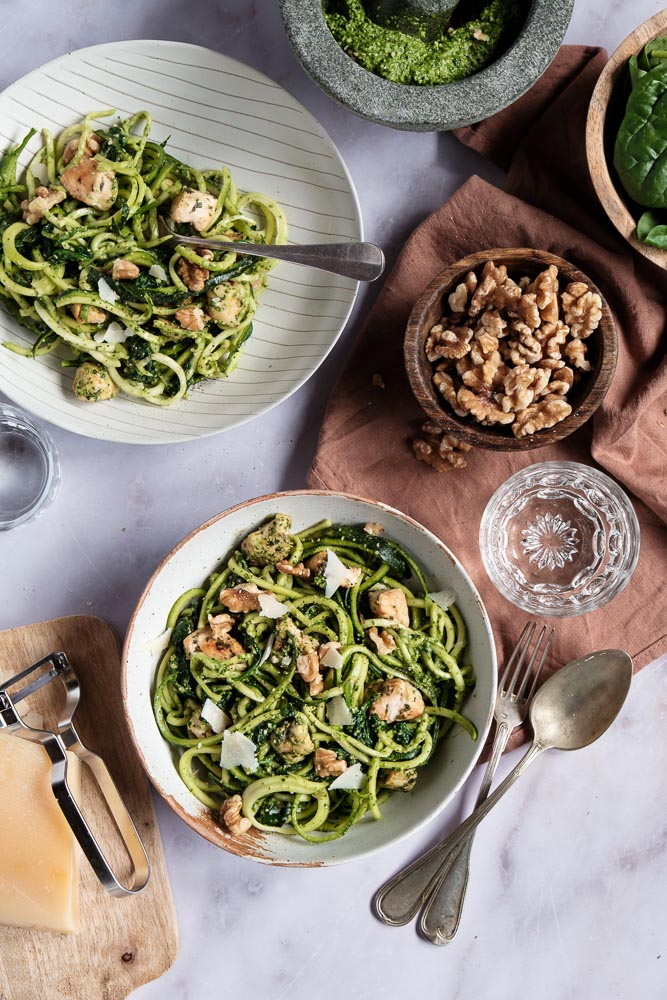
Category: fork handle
[399,899]
[442,910]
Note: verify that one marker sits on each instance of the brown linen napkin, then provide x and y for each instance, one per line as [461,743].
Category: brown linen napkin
[364,444]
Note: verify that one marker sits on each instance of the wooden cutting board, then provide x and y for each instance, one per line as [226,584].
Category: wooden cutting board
[123,943]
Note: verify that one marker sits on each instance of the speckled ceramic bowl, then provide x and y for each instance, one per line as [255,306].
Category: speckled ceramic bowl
[191,561]
[424,108]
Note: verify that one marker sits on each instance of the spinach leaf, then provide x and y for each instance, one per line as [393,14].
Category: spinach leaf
[640,153]
[273,812]
[9,162]
[652,231]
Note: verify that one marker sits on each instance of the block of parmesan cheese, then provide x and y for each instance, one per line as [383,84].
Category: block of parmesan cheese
[39,865]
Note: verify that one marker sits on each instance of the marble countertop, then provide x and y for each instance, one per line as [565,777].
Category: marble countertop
[569,873]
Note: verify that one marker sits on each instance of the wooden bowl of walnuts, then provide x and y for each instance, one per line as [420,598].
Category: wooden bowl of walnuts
[510,349]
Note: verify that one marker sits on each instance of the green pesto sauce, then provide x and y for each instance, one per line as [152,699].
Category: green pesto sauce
[414,58]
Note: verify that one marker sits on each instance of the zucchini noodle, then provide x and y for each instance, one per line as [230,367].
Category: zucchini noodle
[276,676]
[84,263]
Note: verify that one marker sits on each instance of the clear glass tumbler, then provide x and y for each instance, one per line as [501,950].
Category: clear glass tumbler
[559,539]
[29,468]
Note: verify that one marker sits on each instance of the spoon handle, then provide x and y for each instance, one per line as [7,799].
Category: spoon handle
[398,900]
[362,261]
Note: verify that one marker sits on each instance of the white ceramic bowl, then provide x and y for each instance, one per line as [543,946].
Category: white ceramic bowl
[213,110]
[190,563]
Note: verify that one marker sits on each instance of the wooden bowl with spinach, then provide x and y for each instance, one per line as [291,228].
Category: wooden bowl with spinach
[626,139]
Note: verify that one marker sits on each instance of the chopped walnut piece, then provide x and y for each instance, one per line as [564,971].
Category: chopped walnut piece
[524,348]
[527,310]
[328,764]
[545,289]
[539,416]
[242,598]
[561,381]
[308,668]
[230,814]
[87,314]
[191,318]
[299,570]
[552,364]
[519,388]
[451,342]
[44,200]
[575,351]
[124,270]
[479,35]
[582,309]
[439,450]
[444,383]
[383,641]
[193,275]
[374,528]
[492,278]
[220,625]
[484,408]
[507,296]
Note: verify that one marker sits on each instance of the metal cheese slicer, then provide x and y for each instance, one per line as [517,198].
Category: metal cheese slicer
[56,743]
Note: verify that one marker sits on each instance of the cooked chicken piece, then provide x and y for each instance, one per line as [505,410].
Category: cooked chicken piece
[328,764]
[299,570]
[225,302]
[270,543]
[92,146]
[198,727]
[241,598]
[384,642]
[197,208]
[286,628]
[403,781]
[93,383]
[220,625]
[124,270]
[191,318]
[202,640]
[291,739]
[391,604]
[87,183]
[45,198]
[91,314]
[373,528]
[194,276]
[308,668]
[230,814]
[397,701]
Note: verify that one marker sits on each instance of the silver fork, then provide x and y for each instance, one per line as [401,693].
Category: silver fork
[426,881]
[362,261]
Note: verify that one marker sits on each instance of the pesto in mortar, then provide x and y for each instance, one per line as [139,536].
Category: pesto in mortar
[462,50]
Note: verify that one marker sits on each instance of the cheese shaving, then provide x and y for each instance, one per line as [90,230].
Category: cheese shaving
[351,778]
[160,642]
[335,573]
[270,606]
[338,714]
[113,334]
[106,292]
[267,649]
[238,751]
[332,658]
[444,598]
[216,718]
[157,271]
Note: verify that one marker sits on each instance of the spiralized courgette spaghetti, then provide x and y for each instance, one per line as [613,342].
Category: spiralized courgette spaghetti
[310,677]
[84,262]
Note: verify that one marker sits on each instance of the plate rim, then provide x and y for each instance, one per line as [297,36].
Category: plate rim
[111,436]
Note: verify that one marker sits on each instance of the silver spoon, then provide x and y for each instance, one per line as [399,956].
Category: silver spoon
[570,711]
[362,261]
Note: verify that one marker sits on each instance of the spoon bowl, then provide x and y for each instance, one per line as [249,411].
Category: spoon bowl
[579,703]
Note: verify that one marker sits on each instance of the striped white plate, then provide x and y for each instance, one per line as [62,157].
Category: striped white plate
[215,110]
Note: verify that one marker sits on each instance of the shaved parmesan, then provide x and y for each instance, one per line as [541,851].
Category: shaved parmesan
[267,649]
[270,606]
[238,751]
[335,573]
[159,643]
[332,658]
[216,718]
[444,598]
[338,714]
[106,292]
[353,777]
[113,334]
[157,271]
[40,173]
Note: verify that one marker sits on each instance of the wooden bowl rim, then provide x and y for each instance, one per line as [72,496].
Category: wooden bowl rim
[420,370]
[608,195]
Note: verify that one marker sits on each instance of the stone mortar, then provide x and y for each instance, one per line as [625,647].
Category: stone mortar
[426,108]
